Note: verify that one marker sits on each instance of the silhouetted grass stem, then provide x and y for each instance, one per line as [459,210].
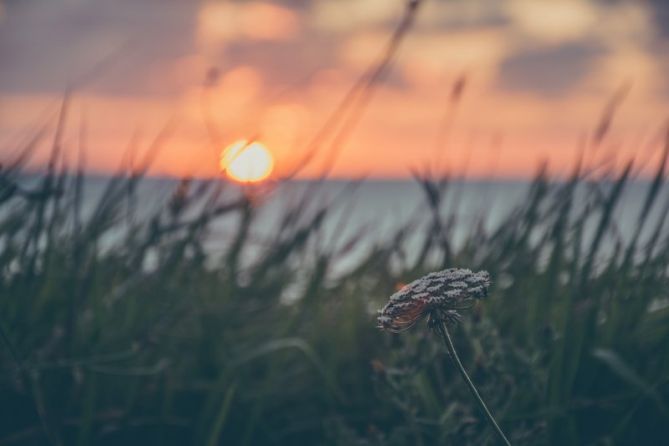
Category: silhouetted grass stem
[443,331]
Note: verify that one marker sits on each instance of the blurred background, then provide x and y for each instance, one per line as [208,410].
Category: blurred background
[537,76]
[203,204]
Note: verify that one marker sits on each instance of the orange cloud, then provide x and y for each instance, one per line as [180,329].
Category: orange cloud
[222,22]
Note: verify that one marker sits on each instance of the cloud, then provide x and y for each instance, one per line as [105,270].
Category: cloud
[448,16]
[283,63]
[659,47]
[555,21]
[548,71]
[660,15]
[352,15]
[349,16]
[44,46]
[429,57]
[220,23]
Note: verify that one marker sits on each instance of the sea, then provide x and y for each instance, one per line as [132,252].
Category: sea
[361,215]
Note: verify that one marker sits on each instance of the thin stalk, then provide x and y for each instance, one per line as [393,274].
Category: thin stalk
[443,331]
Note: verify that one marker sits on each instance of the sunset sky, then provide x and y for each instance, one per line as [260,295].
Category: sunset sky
[538,75]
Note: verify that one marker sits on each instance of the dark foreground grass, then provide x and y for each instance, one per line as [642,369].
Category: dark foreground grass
[120,327]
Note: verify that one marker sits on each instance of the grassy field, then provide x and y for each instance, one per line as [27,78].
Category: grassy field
[118,326]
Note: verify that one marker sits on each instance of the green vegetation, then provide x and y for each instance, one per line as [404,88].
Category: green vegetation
[120,327]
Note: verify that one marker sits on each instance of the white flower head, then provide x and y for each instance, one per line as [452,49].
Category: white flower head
[440,295]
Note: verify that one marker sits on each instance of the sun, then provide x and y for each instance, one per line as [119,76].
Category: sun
[247,162]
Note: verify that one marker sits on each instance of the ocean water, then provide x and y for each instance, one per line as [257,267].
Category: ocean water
[378,208]
[370,212]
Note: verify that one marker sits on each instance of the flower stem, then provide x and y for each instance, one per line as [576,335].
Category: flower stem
[443,331]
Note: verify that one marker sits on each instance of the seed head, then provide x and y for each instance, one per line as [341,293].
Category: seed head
[439,295]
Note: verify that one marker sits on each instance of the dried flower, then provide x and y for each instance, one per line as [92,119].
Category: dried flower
[439,295]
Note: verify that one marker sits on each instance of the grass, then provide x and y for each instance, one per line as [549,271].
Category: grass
[120,326]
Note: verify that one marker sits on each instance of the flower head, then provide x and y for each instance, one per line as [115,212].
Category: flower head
[441,295]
